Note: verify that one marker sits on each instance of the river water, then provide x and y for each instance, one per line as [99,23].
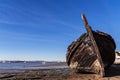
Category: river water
[15,67]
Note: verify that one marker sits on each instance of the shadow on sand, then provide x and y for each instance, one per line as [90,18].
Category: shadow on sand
[114,70]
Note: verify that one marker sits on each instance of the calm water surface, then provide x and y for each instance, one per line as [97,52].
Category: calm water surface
[14,67]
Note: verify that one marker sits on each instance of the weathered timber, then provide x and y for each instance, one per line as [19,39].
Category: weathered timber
[96,50]
[92,52]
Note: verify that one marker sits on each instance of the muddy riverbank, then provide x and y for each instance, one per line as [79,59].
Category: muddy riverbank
[112,73]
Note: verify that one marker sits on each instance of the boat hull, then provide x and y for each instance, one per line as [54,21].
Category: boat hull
[82,57]
[92,52]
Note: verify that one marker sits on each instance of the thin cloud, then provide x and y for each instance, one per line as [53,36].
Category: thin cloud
[26,37]
[22,16]
[32,17]
[69,25]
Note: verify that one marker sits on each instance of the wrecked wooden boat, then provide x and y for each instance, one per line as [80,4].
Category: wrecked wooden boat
[92,52]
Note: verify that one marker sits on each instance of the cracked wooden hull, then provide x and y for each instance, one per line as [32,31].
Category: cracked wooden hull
[81,55]
[92,52]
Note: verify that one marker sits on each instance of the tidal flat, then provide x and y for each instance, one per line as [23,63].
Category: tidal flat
[113,73]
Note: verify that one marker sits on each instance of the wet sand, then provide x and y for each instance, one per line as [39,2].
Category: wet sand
[112,73]
[40,74]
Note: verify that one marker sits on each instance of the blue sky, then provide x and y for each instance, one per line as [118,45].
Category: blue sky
[42,29]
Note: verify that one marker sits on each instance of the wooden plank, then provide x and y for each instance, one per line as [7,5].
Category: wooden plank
[71,52]
[91,36]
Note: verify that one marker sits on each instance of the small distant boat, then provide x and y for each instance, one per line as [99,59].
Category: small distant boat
[24,62]
[92,52]
[3,61]
[43,62]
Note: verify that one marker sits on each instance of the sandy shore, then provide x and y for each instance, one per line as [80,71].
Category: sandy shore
[40,74]
[112,73]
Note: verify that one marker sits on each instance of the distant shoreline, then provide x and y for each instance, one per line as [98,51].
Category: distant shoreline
[20,66]
[22,61]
